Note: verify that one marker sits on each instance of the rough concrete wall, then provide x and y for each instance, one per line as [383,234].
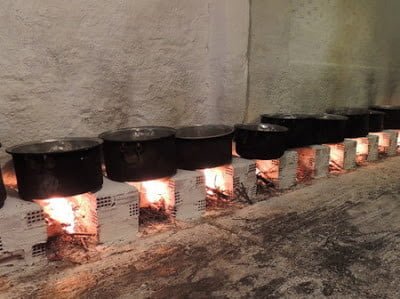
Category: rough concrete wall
[309,55]
[70,68]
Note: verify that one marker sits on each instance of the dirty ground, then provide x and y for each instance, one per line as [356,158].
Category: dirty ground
[339,237]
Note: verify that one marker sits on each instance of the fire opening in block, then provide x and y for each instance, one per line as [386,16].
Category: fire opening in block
[388,142]
[71,222]
[157,201]
[267,172]
[336,157]
[398,137]
[219,186]
[306,164]
[361,150]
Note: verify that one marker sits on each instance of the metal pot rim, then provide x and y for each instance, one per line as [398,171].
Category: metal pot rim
[159,132]
[26,148]
[348,111]
[377,112]
[328,116]
[290,115]
[220,131]
[262,127]
[385,107]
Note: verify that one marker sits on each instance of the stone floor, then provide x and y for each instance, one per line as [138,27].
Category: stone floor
[339,237]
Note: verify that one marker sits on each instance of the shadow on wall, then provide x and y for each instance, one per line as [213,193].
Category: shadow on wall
[352,82]
[381,75]
[390,9]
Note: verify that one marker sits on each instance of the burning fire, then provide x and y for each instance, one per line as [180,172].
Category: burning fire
[156,191]
[60,211]
[398,137]
[75,214]
[361,149]
[267,169]
[218,182]
[214,179]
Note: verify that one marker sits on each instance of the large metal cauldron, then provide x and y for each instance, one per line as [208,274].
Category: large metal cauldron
[204,146]
[376,120]
[392,116]
[58,167]
[260,141]
[357,124]
[301,127]
[330,128]
[139,153]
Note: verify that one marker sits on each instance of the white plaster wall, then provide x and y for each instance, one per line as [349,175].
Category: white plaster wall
[70,68]
[309,55]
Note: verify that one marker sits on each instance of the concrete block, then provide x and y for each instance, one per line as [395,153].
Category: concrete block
[117,212]
[190,194]
[23,233]
[388,142]
[244,177]
[391,137]
[282,172]
[373,148]
[313,161]
[343,155]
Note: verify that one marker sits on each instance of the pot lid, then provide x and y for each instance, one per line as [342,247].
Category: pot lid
[386,107]
[327,116]
[262,127]
[290,115]
[55,146]
[376,112]
[134,134]
[348,111]
[203,131]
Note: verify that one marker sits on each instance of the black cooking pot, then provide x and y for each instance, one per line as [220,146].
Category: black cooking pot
[330,128]
[357,124]
[376,120]
[204,146]
[3,193]
[58,167]
[392,116]
[139,153]
[260,141]
[301,127]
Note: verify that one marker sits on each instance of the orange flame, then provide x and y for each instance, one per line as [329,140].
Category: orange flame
[214,178]
[268,168]
[60,211]
[75,214]
[398,138]
[156,191]
[217,179]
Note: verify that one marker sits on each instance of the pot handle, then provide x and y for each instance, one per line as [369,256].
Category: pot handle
[132,154]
